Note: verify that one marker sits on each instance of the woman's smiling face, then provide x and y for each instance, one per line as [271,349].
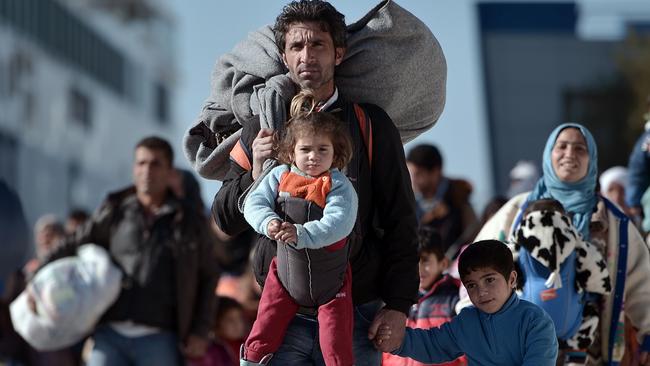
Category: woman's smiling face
[570,156]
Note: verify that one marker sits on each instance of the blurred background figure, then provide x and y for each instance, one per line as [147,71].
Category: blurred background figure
[243,288]
[441,202]
[437,296]
[186,187]
[637,195]
[14,233]
[231,328]
[49,232]
[612,186]
[76,218]
[523,177]
[13,251]
[232,252]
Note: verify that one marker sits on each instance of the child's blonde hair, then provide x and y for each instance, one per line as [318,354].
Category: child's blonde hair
[306,121]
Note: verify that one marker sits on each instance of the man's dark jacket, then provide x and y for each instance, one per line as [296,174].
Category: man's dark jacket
[116,225]
[383,244]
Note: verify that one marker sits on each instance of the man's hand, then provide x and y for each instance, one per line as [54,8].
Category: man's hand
[195,347]
[287,233]
[262,150]
[387,330]
[273,227]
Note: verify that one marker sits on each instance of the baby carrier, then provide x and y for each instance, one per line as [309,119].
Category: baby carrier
[563,274]
[311,276]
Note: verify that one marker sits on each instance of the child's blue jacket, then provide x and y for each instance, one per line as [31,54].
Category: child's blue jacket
[520,333]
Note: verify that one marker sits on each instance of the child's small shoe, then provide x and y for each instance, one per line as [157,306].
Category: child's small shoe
[243,362]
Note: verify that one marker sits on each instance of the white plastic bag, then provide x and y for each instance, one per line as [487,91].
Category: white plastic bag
[71,294]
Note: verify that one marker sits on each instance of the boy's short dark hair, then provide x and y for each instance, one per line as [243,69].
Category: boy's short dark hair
[319,11]
[547,204]
[159,144]
[430,241]
[425,156]
[486,254]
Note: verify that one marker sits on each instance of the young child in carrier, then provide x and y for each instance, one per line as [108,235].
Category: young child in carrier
[562,273]
[309,207]
[438,293]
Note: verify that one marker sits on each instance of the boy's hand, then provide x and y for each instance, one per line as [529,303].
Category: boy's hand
[395,321]
[273,227]
[287,233]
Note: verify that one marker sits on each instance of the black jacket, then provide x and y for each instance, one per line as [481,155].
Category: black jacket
[383,245]
[118,227]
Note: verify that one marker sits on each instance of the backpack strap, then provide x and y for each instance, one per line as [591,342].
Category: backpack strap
[365,125]
[621,270]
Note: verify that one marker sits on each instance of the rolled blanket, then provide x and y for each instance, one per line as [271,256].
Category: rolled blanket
[392,60]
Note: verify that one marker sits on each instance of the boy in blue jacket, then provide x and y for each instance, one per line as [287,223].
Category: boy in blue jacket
[500,329]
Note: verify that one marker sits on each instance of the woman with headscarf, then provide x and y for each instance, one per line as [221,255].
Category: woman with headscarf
[569,176]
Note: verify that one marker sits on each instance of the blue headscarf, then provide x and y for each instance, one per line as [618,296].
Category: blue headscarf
[578,198]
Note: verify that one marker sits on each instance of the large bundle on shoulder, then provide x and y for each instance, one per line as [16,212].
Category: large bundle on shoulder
[392,60]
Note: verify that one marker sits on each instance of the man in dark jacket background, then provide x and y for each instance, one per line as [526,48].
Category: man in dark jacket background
[167,300]
[441,202]
[310,36]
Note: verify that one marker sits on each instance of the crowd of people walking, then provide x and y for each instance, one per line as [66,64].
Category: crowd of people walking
[327,244]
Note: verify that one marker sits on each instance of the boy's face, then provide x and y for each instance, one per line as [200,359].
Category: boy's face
[488,289]
[430,269]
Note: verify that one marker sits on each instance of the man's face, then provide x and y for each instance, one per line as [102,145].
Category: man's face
[310,55]
[151,171]
[424,181]
[430,269]
[488,289]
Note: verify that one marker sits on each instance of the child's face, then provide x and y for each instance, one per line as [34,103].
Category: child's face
[488,289]
[430,269]
[232,325]
[313,154]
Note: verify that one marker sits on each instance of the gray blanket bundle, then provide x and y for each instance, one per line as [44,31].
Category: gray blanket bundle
[392,60]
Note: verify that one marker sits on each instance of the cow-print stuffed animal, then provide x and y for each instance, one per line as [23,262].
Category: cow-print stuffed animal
[550,238]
